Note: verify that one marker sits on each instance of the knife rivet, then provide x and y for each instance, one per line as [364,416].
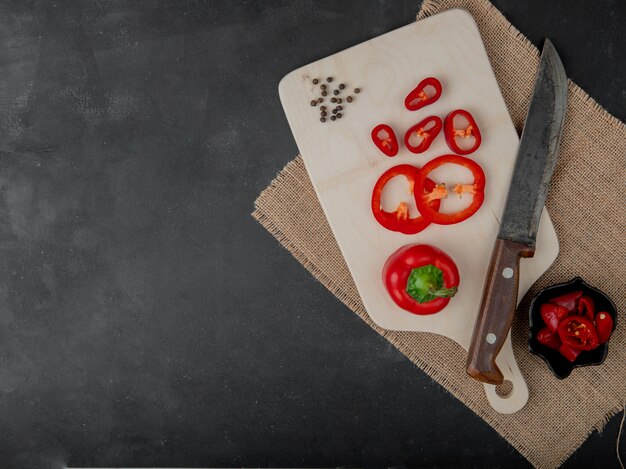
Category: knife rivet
[491,338]
[507,272]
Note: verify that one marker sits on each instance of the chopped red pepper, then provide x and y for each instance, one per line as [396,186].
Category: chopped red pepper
[426,131]
[399,220]
[568,352]
[455,136]
[420,97]
[586,307]
[548,338]
[604,325]
[421,278]
[385,139]
[568,300]
[476,189]
[572,317]
[578,332]
[552,315]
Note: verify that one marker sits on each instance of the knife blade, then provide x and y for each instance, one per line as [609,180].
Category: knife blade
[536,158]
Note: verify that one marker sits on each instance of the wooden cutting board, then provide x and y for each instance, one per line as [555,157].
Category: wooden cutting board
[344,165]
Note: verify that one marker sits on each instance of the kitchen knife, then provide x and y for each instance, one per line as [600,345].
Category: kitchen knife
[536,158]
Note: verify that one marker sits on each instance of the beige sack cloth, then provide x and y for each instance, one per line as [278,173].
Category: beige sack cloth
[587,206]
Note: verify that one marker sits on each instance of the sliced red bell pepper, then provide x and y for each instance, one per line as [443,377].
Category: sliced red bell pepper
[548,338]
[454,136]
[426,131]
[552,315]
[476,189]
[399,220]
[586,307]
[568,352]
[568,300]
[419,97]
[421,278]
[604,325]
[578,332]
[385,139]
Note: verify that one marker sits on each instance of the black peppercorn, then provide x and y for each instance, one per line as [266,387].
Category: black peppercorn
[324,93]
[322,119]
[315,81]
[339,116]
[322,108]
[342,86]
[339,100]
[333,100]
[313,103]
[320,100]
[339,108]
[323,114]
[329,79]
[336,92]
[349,99]
[322,86]
[357,90]
[332,118]
[335,111]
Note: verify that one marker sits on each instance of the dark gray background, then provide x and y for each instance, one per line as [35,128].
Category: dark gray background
[145,317]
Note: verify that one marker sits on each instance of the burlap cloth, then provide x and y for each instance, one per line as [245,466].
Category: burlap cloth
[587,206]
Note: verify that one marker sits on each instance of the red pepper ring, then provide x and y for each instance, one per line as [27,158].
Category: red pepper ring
[388,145]
[453,135]
[578,332]
[399,219]
[477,189]
[418,98]
[425,131]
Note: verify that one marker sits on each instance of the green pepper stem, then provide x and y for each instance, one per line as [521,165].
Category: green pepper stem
[444,292]
[426,283]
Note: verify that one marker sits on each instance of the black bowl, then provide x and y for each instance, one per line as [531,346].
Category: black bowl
[560,366]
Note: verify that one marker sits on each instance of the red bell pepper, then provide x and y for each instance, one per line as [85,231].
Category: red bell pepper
[552,315]
[420,278]
[476,189]
[399,220]
[604,326]
[419,97]
[568,352]
[568,300]
[586,307]
[578,332]
[385,139]
[426,131]
[548,338]
[454,136]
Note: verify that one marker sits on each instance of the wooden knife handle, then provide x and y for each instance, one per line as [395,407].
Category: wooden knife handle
[496,312]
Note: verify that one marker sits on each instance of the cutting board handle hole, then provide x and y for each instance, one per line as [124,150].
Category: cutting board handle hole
[505,389]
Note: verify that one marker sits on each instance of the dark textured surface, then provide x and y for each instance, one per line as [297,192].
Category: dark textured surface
[145,318]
